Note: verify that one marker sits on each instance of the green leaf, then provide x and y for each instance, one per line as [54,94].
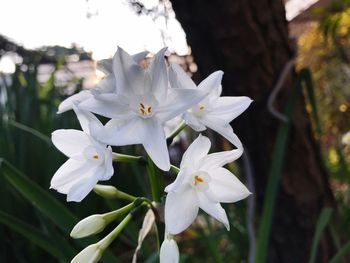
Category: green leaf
[322,222]
[33,234]
[341,253]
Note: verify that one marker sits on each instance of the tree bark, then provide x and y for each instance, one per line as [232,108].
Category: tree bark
[248,40]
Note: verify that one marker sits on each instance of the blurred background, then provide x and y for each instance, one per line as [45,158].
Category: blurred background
[291,57]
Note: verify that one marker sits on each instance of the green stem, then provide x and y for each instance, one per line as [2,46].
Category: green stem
[155,181]
[109,217]
[174,169]
[175,132]
[125,158]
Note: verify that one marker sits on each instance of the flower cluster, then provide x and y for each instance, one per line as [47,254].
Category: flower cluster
[139,103]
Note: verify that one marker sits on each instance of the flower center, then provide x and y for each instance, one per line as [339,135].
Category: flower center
[198,180]
[95,157]
[145,110]
[199,110]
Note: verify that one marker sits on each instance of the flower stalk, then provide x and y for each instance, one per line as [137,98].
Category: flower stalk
[110,192]
[176,132]
[125,158]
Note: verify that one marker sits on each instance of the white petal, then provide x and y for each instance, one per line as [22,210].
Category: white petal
[196,151]
[86,118]
[224,129]
[90,254]
[211,82]
[154,141]
[213,209]
[177,102]
[83,187]
[159,75]
[181,209]
[108,105]
[70,142]
[226,187]
[228,108]
[219,159]
[108,164]
[193,121]
[177,184]
[67,104]
[105,65]
[120,133]
[138,57]
[129,75]
[169,252]
[179,78]
[68,174]
[106,85]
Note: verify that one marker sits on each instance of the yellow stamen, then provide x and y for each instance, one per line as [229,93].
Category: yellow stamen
[95,157]
[201,107]
[149,110]
[198,179]
[142,106]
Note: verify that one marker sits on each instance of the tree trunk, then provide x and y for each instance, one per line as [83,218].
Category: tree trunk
[248,40]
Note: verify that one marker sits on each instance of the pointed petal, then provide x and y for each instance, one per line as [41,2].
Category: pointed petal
[70,142]
[83,187]
[177,184]
[211,82]
[105,65]
[106,85]
[85,118]
[193,121]
[177,102]
[138,57]
[159,75]
[169,252]
[215,160]
[195,152]
[213,209]
[226,187]
[224,129]
[67,104]
[129,75]
[120,133]
[108,105]
[181,209]
[154,141]
[228,108]
[179,78]
[68,174]
[108,164]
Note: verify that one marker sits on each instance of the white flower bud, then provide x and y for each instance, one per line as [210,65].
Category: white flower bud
[169,251]
[90,254]
[88,226]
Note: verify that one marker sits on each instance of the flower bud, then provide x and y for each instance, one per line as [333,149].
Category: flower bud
[106,191]
[88,226]
[169,251]
[90,254]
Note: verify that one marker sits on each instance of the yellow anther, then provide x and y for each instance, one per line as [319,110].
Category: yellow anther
[149,109]
[198,179]
[142,106]
[201,107]
[95,157]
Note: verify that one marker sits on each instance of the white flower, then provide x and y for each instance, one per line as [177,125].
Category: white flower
[214,112]
[89,160]
[169,251]
[202,183]
[90,254]
[106,85]
[141,105]
[346,138]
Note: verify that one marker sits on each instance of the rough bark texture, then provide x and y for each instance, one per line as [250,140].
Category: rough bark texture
[248,40]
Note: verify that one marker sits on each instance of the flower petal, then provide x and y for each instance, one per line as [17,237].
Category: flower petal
[169,252]
[211,82]
[195,152]
[228,108]
[120,133]
[108,105]
[83,187]
[226,187]
[67,104]
[219,159]
[177,102]
[213,209]
[181,209]
[193,121]
[86,118]
[108,164]
[159,75]
[224,129]
[138,57]
[154,141]
[70,142]
[68,174]
[129,75]
[179,78]
[106,85]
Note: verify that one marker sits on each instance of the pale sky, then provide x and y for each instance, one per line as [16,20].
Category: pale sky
[36,23]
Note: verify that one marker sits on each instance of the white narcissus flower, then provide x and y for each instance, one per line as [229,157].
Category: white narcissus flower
[202,183]
[90,254]
[213,111]
[106,85]
[89,160]
[169,251]
[143,102]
